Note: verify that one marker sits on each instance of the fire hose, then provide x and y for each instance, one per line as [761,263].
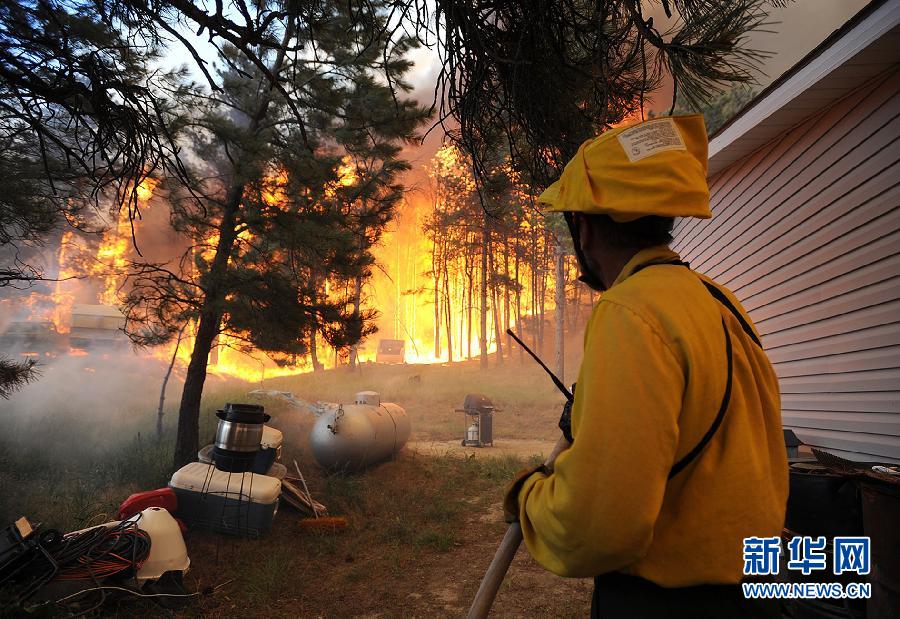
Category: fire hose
[496,571]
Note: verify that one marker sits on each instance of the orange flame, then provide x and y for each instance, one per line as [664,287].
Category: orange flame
[401,287]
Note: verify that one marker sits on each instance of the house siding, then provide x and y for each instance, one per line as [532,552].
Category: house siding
[806,233]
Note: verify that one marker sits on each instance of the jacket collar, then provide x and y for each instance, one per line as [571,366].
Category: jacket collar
[651,255]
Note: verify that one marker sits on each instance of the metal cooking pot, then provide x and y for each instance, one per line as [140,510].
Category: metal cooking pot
[240,427]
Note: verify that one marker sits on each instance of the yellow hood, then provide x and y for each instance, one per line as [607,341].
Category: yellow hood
[656,167]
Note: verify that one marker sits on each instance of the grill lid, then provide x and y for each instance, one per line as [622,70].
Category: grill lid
[476,402]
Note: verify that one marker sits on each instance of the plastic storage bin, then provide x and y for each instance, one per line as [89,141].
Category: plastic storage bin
[269,449]
[236,503]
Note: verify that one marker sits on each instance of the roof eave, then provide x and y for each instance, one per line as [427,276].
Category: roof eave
[812,84]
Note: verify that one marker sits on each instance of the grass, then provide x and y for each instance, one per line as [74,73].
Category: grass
[527,399]
[67,488]
[438,540]
[408,518]
[415,523]
[269,577]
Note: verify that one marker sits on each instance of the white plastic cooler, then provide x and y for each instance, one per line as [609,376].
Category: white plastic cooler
[237,503]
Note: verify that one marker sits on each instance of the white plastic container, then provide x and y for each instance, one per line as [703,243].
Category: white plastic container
[167,550]
[269,449]
[237,503]
[272,438]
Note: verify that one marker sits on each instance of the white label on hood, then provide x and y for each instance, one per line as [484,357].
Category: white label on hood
[650,138]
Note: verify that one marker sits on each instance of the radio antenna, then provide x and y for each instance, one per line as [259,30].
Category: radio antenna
[559,384]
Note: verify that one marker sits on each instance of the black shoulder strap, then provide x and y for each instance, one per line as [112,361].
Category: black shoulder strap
[722,298]
[726,399]
[717,294]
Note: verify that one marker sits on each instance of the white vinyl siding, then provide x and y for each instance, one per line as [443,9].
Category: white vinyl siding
[806,232]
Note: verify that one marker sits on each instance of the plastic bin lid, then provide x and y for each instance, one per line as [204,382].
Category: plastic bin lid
[271,438]
[205,454]
[205,478]
[277,470]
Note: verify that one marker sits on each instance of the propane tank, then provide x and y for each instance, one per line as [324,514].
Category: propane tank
[358,435]
[472,434]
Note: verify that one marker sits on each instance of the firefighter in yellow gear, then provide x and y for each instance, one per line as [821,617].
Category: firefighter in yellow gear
[678,452]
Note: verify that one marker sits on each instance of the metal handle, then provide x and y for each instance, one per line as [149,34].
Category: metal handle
[504,556]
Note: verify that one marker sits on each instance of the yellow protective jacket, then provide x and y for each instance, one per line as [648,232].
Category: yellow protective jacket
[651,383]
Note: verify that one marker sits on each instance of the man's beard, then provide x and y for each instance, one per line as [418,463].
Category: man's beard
[588,275]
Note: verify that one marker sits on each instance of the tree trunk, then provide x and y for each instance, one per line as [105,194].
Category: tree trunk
[313,352]
[485,248]
[188,438]
[437,301]
[187,441]
[448,313]
[461,327]
[495,306]
[518,302]
[162,391]
[575,316]
[469,288]
[506,291]
[544,261]
[357,300]
[560,314]
[534,287]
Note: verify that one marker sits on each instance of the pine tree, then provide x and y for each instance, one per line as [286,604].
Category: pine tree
[84,118]
[291,189]
[719,109]
[549,75]
[79,126]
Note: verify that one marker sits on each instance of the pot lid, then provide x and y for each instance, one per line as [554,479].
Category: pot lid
[243,413]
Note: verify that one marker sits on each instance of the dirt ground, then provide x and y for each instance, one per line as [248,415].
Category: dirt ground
[506,447]
[359,573]
[422,527]
[422,531]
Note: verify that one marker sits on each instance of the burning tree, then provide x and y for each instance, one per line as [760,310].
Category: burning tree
[86,113]
[82,111]
[542,77]
[448,231]
[82,124]
[85,118]
[296,182]
[491,256]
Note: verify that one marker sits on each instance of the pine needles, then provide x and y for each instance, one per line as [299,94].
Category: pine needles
[15,375]
[538,77]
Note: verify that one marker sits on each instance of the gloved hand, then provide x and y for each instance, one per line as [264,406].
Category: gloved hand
[565,420]
[511,500]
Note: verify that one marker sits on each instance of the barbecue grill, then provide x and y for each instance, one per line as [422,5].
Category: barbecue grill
[478,414]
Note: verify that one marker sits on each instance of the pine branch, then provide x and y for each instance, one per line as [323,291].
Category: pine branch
[537,78]
[15,375]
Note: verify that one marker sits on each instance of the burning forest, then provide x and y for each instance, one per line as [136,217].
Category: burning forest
[426,285]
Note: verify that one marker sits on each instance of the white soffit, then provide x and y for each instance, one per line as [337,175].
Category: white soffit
[826,75]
